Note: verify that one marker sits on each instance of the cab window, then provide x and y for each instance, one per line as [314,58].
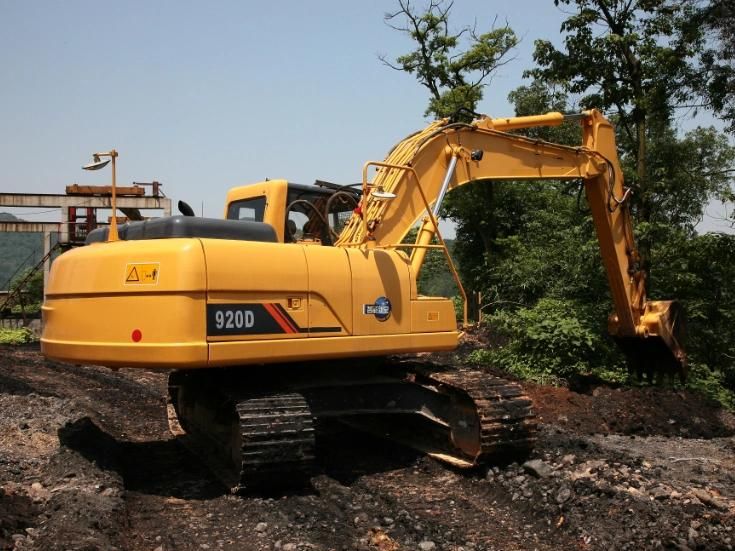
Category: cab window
[251,210]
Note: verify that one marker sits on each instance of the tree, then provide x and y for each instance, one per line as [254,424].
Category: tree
[631,56]
[638,58]
[530,246]
[454,67]
[454,76]
[716,78]
[488,214]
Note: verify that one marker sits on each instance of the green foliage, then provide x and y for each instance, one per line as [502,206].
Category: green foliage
[712,384]
[623,54]
[32,288]
[16,336]
[28,309]
[452,66]
[435,278]
[700,271]
[531,248]
[486,213]
[715,78]
[685,173]
[549,342]
[633,57]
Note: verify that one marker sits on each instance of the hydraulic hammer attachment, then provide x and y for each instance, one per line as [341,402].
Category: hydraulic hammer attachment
[657,350]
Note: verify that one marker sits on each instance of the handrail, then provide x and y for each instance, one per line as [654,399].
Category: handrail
[432,219]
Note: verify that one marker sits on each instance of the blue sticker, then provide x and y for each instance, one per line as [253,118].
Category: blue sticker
[381,309]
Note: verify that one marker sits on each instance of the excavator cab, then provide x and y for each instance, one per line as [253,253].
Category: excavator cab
[298,213]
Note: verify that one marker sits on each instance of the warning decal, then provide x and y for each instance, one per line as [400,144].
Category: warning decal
[142,273]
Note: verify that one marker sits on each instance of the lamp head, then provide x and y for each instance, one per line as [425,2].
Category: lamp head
[381,195]
[96,164]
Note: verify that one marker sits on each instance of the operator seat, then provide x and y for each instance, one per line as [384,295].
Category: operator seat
[291,230]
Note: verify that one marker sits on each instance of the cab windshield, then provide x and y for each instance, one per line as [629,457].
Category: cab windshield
[317,214]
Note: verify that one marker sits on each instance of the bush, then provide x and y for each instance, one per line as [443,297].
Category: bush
[16,336]
[29,309]
[711,384]
[549,343]
[33,287]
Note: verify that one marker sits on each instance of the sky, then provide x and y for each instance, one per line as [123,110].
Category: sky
[205,96]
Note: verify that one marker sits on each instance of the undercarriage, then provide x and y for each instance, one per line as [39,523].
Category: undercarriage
[257,427]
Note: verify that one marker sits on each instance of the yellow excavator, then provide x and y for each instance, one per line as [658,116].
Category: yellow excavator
[291,310]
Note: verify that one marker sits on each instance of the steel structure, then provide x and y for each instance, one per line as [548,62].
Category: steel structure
[78,214]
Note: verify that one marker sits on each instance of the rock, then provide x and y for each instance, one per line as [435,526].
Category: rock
[660,493]
[38,493]
[708,499]
[563,495]
[361,518]
[692,537]
[427,545]
[635,492]
[589,469]
[289,547]
[261,527]
[538,468]
[568,459]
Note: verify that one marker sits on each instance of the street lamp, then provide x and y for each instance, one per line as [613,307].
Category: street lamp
[96,164]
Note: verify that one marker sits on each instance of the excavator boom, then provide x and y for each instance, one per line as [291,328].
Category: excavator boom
[421,169]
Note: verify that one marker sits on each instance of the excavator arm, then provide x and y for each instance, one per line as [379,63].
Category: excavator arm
[409,187]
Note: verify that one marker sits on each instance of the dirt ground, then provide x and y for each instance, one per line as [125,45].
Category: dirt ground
[87,462]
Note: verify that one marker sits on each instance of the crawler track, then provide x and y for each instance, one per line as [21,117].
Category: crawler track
[277,440]
[256,431]
[248,440]
[507,423]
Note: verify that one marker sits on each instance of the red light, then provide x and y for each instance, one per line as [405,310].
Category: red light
[137,335]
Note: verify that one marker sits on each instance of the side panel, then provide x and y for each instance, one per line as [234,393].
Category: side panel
[255,291]
[378,275]
[432,314]
[330,291]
